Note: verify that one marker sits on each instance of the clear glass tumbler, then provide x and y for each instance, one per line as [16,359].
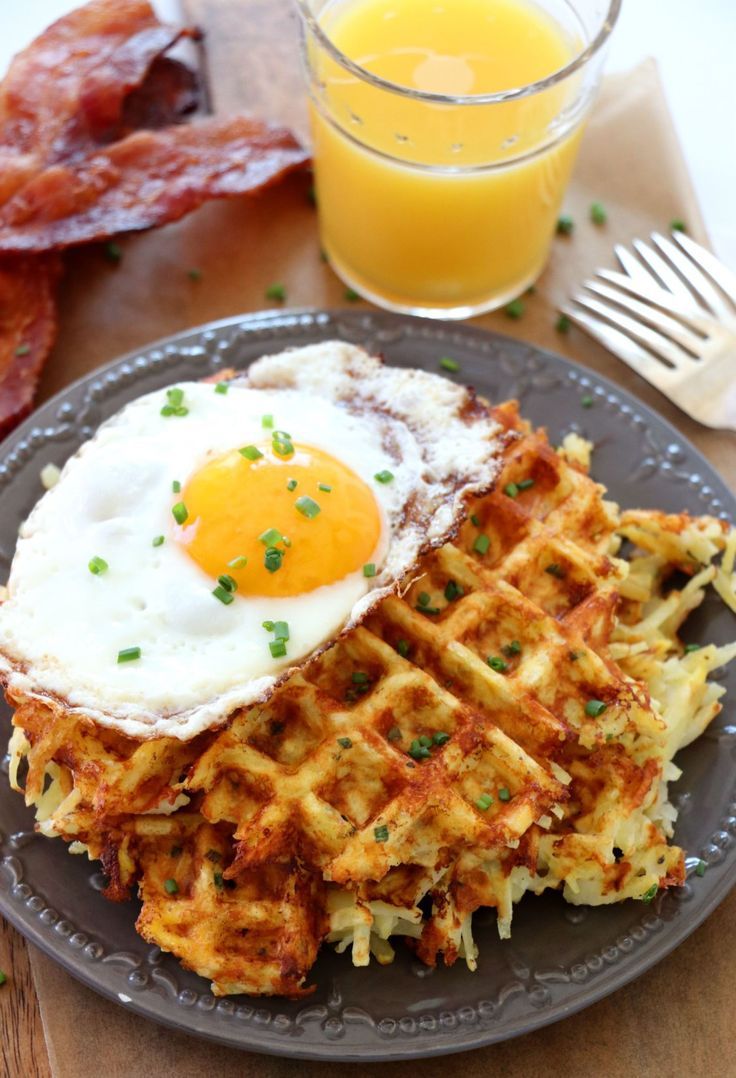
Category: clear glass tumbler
[436,203]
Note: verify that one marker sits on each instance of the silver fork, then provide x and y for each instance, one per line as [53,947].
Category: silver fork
[671,315]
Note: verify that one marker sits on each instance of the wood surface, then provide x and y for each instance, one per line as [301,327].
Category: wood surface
[676,1019]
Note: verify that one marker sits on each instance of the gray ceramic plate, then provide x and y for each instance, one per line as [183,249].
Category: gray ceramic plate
[561,958]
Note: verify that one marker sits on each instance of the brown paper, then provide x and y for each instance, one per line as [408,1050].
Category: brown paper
[678,1016]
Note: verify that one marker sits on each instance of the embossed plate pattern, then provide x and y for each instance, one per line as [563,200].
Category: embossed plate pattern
[561,958]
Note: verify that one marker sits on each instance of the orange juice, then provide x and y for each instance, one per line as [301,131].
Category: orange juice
[436,205]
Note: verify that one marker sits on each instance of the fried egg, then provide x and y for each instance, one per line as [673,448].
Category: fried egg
[211,537]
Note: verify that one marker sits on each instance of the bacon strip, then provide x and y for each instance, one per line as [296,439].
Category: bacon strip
[27,330]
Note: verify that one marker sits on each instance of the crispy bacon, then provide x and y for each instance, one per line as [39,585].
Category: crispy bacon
[145,180]
[27,330]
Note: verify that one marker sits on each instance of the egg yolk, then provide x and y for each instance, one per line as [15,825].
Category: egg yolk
[301,521]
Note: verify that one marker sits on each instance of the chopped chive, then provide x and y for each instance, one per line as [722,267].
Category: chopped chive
[425,742]
[238,563]
[453,591]
[218,881]
[345,742]
[286,540]
[440,738]
[573,656]
[179,512]
[394,734]
[381,833]
[428,609]
[158,540]
[481,544]
[484,802]
[402,646]
[514,648]
[700,868]
[175,851]
[598,213]
[496,663]
[223,594]
[594,708]
[175,396]
[267,422]
[383,477]
[272,558]
[515,309]
[213,856]
[307,506]
[127,655]
[586,401]
[113,252]
[511,490]
[424,598]
[449,364]
[280,630]
[176,486]
[194,274]
[474,519]
[282,447]
[97,565]
[276,291]
[292,484]
[358,677]
[563,323]
[650,893]
[525,484]
[369,569]
[171,887]
[227,582]
[250,452]
[3,978]
[504,794]
[277,648]
[351,295]
[325,487]
[22,350]
[418,751]
[677,225]
[221,387]
[565,225]
[268,626]
[271,537]
[555,570]
[692,647]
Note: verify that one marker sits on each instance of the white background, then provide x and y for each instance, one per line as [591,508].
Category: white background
[694,42]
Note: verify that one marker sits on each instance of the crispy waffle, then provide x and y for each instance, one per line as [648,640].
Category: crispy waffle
[494,729]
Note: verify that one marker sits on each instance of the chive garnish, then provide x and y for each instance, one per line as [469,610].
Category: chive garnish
[554,569]
[369,569]
[453,591]
[345,742]
[97,565]
[271,537]
[276,291]
[179,512]
[515,309]
[351,295]
[176,486]
[238,563]
[484,802]
[474,519]
[250,452]
[277,648]
[448,364]
[358,677]
[227,582]
[441,737]
[425,742]
[419,752]
[223,594]
[307,506]
[272,558]
[381,833]
[175,397]
[171,887]
[158,540]
[594,708]
[292,484]
[175,851]
[280,630]
[127,655]
[22,350]
[113,252]
[325,487]
[221,387]
[598,213]
[481,544]
[394,734]
[217,880]
[525,484]
[3,978]
[692,647]
[268,626]
[423,598]
[267,422]
[700,868]
[650,893]
[586,401]
[402,646]
[213,856]
[511,490]
[496,663]
[194,274]
[504,794]
[384,476]
[565,225]
[281,443]
[514,648]
[677,225]
[563,323]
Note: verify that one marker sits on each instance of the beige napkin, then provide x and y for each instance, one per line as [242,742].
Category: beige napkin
[631,162]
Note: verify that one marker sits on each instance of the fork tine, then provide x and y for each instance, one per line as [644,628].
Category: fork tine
[633,267]
[667,277]
[667,351]
[722,275]
[694,318]
[646,312]
[622,346]
[697,280]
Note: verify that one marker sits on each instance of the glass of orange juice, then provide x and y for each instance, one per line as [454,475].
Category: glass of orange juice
[444,134]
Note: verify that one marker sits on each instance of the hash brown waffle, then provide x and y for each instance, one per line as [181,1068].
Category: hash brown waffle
[495,729]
